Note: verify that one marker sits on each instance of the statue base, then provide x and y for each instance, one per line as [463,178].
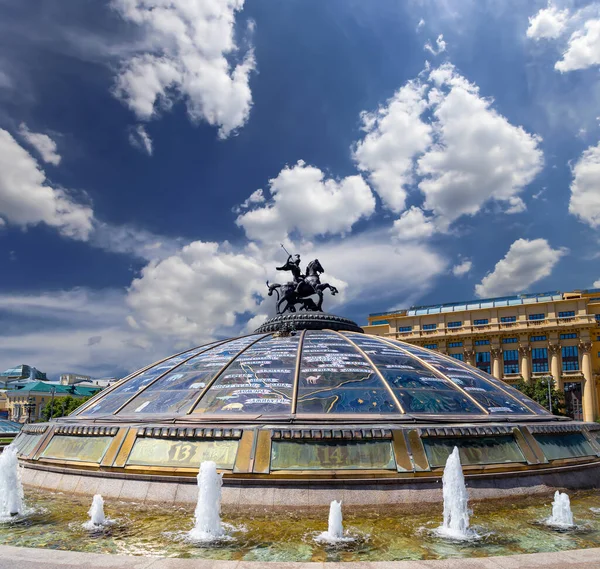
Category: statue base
[291,322]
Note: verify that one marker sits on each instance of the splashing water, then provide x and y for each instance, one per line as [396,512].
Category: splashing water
[562,516]
[335,528]
[208,526]
[456,507]
[96,513]
[11,489]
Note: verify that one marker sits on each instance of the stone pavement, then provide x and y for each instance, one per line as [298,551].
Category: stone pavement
[28,558]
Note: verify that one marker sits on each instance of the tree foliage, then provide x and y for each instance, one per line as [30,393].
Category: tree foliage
[62,406]
[537,390]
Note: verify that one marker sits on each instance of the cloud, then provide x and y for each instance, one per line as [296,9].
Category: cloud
[478,155]
[140,139]
[42,143]
[420,24]
[585,187]
[462,268]
[395,134]
[302,199]
[526,262]
[78,330]
[196,293]
[193,55]
[583,49]
[255,197]
[439,134]
[548,23]
[440,43]
[413,225]
[596,284]
[26,198]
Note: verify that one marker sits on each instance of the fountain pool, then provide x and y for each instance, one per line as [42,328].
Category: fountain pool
[385,534]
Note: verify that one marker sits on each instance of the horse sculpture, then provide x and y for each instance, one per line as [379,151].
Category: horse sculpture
[292,293]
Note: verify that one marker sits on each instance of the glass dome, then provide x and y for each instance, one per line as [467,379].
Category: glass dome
[311,374]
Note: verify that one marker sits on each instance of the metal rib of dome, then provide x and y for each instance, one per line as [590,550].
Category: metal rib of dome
[314,373]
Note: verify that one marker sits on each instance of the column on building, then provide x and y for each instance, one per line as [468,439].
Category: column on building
[589,389]
[555,368]
[524,352]
[496,354]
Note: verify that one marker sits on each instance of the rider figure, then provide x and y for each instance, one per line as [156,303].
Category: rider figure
[293,264]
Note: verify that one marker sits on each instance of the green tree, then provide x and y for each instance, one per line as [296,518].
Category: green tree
[537,390]
[62,406]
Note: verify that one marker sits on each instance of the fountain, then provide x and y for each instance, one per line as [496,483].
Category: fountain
[11,489]
[456,511]
[96,513]
[208,526]
[335,529]
[562,516]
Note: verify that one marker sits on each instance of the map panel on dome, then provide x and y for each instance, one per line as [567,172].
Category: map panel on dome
[177,391]
[260,381]
[495,396]
[112,400]
[335,378]
[419,389]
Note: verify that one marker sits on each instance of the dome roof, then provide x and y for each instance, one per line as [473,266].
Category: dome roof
[310,374]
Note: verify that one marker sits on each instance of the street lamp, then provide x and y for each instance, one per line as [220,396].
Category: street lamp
[52,391]
[549,381]
[29,407]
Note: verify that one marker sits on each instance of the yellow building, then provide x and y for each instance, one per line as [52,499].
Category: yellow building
[529,336]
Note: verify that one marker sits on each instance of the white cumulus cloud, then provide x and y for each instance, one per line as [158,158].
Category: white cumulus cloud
[139,138]
[526,262]
[439,42]
[302,199]
[462,268]
[193,54]
[585,187]
[583,49]
[548,23]
[27,198]
[413,225]
[42,143]
[395,134]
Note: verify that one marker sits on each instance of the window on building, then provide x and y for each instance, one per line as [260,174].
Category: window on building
[377,322]
[456,324]
[429,326]
[508,319]
[566,314]
[539,360]
[482,342]
[482,360]
[511,361]
[510,340]
[571,336]
[536,317]
[455,344]
[480,322]
[538,338]
[597,338]
[570,358]
[597,316]
[430,346]
[457,357]
[405,329]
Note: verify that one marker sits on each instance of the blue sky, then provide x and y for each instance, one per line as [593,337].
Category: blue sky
[154,155]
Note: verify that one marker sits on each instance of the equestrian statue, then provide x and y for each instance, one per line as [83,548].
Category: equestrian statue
[300,290]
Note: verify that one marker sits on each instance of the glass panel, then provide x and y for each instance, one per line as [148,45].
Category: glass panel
[26,442]
[486,392]
[335,378]
[113,400]
[564,446]
[480,450]
[332,456]
[177,391]
[418,388]
[80,449]
[182,454]
[260,381]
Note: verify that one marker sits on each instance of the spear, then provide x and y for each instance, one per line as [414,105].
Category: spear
[286,251]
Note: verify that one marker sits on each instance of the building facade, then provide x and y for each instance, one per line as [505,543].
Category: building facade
[528,336]
[26,404]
